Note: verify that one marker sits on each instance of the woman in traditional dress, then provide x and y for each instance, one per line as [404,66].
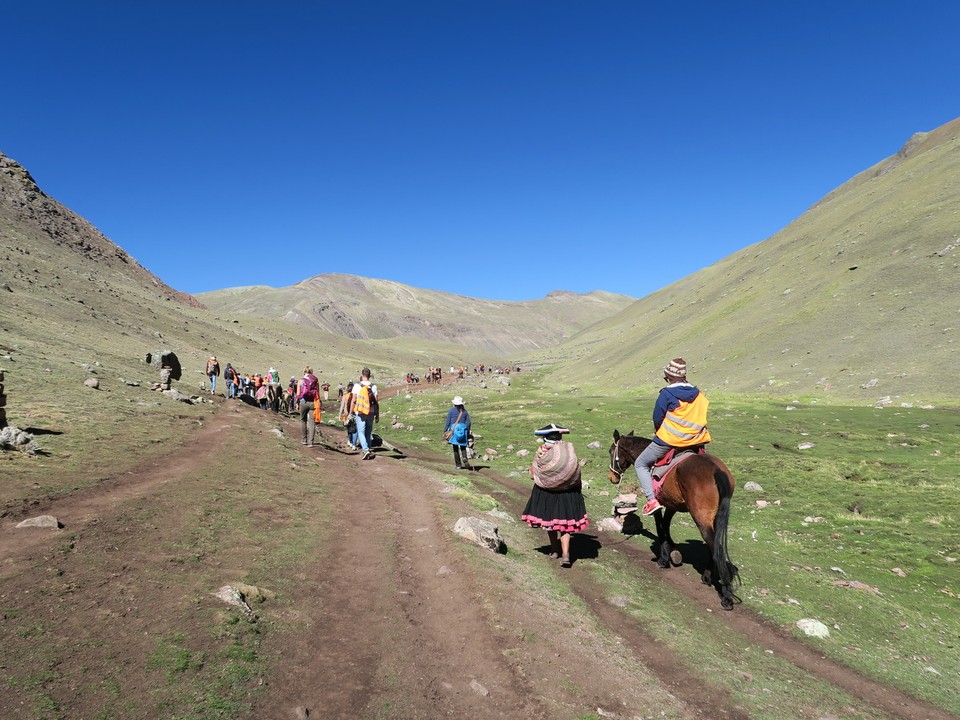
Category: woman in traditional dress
[556,501]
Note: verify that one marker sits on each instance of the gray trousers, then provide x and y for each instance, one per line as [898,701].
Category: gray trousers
[649,456]
[307,425]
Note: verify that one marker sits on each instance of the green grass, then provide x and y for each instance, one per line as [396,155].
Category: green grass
[861,531]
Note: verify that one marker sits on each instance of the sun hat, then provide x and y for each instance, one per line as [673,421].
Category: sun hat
[551,429]
[676,368]
[458,400]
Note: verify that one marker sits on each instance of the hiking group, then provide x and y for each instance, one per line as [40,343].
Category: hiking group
[556,501]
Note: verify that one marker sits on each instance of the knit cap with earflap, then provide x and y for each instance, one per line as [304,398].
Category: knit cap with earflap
[676,369]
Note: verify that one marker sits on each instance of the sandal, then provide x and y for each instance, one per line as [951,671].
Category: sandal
[554,556]
[565,561]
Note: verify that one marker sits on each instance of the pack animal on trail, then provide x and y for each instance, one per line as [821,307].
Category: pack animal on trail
[700,485]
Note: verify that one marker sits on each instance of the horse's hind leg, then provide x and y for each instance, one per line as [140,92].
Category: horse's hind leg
[666,549]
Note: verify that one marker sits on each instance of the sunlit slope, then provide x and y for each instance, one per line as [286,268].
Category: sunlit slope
[367,308]
[861,290]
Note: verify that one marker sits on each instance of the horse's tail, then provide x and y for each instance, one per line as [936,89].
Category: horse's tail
[727,572]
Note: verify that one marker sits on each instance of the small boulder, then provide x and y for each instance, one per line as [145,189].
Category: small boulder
[92,382]
[813,628]
[482,532]
[41,521]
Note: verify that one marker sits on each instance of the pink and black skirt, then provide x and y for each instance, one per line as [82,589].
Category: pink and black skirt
[561,510]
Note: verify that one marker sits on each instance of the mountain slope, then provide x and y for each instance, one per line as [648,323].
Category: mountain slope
[861,290]
[366,308]
[70,297]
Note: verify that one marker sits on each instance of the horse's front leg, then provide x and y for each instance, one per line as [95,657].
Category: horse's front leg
[666,549]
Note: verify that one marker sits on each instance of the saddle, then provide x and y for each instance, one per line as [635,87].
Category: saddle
[669,461]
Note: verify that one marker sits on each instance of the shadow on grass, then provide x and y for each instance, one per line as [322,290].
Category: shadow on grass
[42,431]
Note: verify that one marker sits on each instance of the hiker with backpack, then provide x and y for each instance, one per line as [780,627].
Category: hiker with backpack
[456,431]
[232,379]
[212,372]
[308,393]
[366,411]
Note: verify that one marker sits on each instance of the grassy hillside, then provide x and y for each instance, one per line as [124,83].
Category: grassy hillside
[856,299]
[365,308]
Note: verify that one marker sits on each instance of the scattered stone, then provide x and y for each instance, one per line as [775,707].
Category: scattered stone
[277,431]
[856,585]
[523,453]
[13,438]
[501,515]
[610,524]
[490,451]
[620,601]
[131,383]
[762,503]
[872,383]
[177,395]
[92,382]
[838,570]
[397,425]
[897,571]
[233,596]
[41,521]
[477,687]
[753,486]
[811,519]
[595,445]
[813,628]
[805,446]
[443,571]
[482,532]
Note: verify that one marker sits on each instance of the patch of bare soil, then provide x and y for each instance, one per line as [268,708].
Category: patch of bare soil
[397,617]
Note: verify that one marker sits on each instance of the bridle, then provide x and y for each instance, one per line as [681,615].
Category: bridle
[615,459]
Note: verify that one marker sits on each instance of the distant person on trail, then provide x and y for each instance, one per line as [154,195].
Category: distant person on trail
[326,391]
[346,416]
[366,411]
[212,372]
[230,377]
[680,421]
[456,431]
[556,500]
[308,393]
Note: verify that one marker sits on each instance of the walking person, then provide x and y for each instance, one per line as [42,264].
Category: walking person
[366,411]
[346,416]
[308,393]
[212,372]
[456,431]
[556,500]
[230,377]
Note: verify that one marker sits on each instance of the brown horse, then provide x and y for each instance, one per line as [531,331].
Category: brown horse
[700,485]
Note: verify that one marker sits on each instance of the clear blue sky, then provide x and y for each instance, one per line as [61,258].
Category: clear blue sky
[497,148]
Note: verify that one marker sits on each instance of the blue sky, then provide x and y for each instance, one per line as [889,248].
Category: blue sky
[498,149]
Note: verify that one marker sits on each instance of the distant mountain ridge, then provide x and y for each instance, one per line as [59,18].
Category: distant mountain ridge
[857,298]
[368,308]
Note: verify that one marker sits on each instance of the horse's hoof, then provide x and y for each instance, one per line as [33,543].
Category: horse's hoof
[676,558]
[726,604]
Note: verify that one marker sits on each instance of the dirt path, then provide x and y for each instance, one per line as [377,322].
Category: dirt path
[399,622]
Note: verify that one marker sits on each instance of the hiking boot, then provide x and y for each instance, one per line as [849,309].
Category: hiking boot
[651,507]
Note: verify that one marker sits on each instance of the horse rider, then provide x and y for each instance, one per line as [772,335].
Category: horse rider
[680,421]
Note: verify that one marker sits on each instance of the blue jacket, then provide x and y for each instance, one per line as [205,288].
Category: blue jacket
[452,414]
[669,399]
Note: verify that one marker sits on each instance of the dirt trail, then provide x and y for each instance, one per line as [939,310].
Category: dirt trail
[398,623]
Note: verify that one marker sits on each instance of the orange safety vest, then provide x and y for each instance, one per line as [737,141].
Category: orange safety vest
[687,424]
[364,402]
